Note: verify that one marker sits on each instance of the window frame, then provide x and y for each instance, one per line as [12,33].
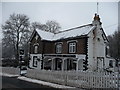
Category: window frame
[58,48]
[111,63]
[36,49]
[72,47]
[35,62]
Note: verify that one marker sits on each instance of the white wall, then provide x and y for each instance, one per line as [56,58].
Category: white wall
[90,51]
[96,48]
[38,62]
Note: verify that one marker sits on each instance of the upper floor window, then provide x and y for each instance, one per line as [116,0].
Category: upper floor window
[107,52]
[58,48]
[72,47]
[36,49]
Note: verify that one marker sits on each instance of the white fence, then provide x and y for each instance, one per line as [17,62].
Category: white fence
[77,79]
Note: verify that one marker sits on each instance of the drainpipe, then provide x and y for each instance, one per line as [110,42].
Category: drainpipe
[43,48]
[42,54]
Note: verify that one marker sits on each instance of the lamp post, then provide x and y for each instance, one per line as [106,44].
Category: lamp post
[118,74]
[22,62]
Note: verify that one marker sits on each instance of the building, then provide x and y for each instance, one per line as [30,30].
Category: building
[80,48]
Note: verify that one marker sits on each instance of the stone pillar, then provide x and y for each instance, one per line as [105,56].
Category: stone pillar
[52,65]
[31,62]
[39,65]
[63,67]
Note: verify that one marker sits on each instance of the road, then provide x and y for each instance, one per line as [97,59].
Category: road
[12,83]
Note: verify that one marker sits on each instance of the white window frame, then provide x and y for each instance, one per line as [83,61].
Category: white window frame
[59,48]
[72,47]
[35,61]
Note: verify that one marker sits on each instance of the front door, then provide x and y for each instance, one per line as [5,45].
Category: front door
[100,63]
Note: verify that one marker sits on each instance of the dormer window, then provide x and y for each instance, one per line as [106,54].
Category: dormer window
[36,37]
[72,47]
[59,48]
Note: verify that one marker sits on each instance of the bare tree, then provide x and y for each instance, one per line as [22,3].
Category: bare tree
[114,44]
[35,25]
[16,31]
[52,26]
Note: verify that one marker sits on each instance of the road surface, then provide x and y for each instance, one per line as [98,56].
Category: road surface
[12,83]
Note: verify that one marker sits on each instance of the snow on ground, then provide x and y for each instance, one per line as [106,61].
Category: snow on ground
[44,83]
[38,81]
[8,75]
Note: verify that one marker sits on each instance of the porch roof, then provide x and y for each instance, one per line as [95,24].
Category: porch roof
[75,56]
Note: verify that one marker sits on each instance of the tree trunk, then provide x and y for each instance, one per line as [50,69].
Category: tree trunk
[17,47]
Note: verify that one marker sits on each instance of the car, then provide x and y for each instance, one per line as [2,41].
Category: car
[23,70]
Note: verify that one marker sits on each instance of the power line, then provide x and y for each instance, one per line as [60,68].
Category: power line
[111,25]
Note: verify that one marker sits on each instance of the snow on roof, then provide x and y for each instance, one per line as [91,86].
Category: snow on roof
[74,32]
[45,35]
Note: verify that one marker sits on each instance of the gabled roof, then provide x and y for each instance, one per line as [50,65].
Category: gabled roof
[74,32]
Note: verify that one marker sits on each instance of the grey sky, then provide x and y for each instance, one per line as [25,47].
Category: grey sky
[68,14]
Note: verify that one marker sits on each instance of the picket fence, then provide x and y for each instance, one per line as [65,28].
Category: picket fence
[78,79]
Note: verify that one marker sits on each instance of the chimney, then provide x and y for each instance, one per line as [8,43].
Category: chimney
[96,20]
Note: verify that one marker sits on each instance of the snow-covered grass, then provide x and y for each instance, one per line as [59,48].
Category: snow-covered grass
[8,75]
[44,83]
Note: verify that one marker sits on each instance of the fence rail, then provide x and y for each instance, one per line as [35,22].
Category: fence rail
[78,79]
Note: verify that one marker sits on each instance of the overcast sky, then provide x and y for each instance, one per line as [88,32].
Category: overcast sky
[68,14]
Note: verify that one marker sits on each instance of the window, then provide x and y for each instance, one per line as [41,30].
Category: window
[111,63]
[58,48]
[35,61]
[116,63]
[107,51]
[35,49]
[72,47]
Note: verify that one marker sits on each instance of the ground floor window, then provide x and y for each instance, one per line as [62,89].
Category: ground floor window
[111,63]
[34,61]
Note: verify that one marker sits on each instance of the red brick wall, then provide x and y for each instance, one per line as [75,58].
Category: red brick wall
[48,47]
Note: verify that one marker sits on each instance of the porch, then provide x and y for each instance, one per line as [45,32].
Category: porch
[63,62]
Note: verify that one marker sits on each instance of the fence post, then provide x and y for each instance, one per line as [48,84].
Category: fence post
[65,79]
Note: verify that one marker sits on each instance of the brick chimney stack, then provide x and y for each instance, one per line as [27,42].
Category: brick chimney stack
[96,20]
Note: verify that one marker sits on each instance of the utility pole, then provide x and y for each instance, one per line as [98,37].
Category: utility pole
[118,59]
[97,8]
